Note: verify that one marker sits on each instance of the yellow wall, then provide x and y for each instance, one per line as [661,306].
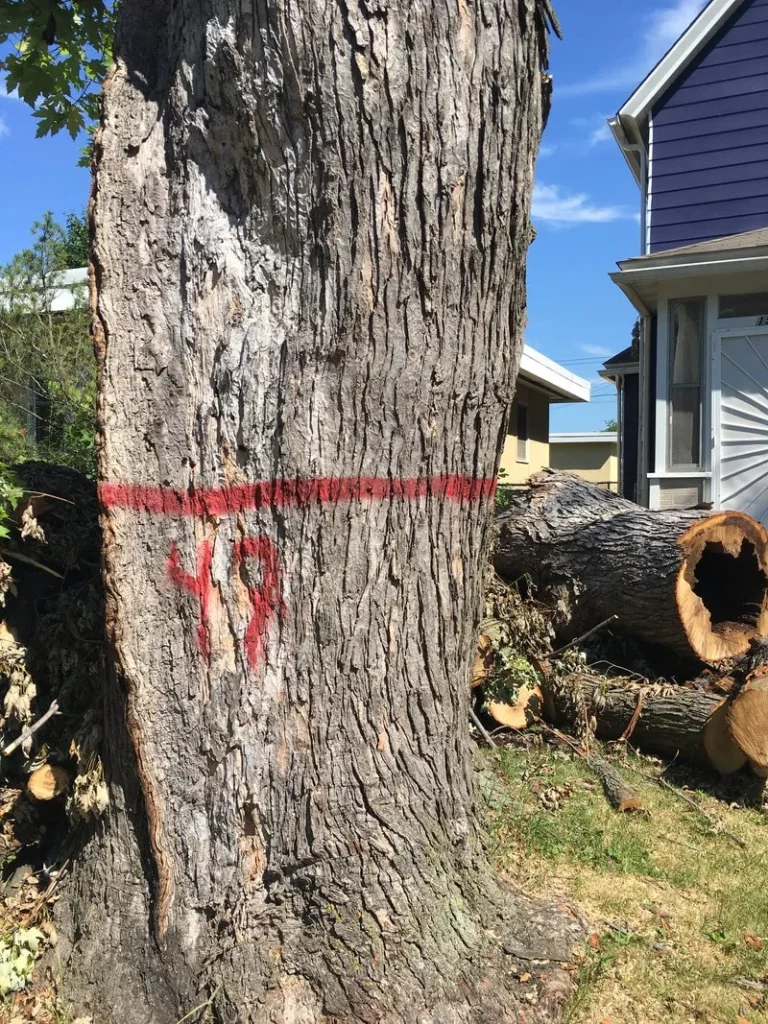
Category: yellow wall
[596,462]
[538,434]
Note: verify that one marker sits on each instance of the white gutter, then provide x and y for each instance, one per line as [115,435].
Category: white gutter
[561,384]
[588,437]
[682,267]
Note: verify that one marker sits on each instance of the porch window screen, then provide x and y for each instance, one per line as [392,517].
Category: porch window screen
[522,433]
[687,327]
[737,306]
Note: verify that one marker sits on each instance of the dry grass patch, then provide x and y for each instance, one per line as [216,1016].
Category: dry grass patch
[677,897]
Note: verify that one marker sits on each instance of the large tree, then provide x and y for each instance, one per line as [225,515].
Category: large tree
[311,220]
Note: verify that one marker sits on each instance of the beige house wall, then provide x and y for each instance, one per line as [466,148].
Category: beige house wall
[513,469]
[595,462]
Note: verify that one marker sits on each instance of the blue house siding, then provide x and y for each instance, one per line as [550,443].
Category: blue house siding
[709,156]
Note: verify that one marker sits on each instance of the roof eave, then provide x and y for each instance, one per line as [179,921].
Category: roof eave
[678,57]
[559,383]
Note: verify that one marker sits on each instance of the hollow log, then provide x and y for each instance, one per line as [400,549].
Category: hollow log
[673,721]
[692,582]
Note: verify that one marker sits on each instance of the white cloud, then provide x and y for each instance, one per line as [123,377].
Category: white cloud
[545,151]
[550,205]
[600,134]
[599,351]
[596,129]
[661,29]
[3,127]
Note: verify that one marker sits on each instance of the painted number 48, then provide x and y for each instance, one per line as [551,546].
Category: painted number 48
[266,600]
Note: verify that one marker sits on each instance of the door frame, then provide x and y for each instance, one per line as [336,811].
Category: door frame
[716,356]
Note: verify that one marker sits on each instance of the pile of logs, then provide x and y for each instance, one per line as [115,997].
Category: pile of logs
[691,585]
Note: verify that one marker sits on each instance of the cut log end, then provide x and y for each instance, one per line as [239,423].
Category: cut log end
[48,782]
[723,752]
[520,715]
[747,720]
[722,586]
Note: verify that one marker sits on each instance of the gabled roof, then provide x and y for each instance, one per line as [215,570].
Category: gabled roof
[627,357]
[629,125]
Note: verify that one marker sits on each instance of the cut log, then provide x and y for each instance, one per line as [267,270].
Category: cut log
[674,721]
[617,791]
[48,782]
[747,721]
[691,582]
[524,713]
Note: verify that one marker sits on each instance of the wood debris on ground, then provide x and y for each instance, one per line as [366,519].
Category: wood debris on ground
[52,664]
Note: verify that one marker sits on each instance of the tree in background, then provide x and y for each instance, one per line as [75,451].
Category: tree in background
[47,365]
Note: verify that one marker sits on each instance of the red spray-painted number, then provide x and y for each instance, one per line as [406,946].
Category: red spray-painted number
[266,598]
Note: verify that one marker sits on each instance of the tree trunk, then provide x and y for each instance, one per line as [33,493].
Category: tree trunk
[691,582]
[310,235]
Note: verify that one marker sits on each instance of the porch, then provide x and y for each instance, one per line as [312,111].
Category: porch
[697,431]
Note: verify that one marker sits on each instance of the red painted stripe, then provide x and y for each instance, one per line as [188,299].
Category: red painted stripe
[221,501]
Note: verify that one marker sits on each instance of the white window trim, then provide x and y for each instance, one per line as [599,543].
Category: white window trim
[693,469]
[527,459]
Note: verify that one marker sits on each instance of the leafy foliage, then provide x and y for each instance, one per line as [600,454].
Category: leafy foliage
[77,242]
[18,952]
[10,496]
[60,52]
[47,366]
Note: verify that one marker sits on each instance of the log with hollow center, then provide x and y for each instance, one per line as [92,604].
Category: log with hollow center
[691,582]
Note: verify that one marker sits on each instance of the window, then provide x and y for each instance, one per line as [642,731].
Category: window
[522,433]
[686,344]
[733,307]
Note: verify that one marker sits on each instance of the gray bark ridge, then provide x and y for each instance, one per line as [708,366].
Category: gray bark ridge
[310,226]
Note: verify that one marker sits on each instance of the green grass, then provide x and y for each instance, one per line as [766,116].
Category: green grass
[679,907]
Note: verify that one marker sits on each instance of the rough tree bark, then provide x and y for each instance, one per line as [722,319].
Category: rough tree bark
[311,221]
[692,582]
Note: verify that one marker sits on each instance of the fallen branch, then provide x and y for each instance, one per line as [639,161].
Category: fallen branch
[482,730]
[585,636]
[618,793]
[31,730]
[753,986]
[15,555]
[715,825]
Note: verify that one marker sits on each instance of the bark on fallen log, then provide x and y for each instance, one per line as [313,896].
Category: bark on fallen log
[673,722]
[618,793]
[692,582]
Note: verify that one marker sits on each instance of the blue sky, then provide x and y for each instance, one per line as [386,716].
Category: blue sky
[586,202]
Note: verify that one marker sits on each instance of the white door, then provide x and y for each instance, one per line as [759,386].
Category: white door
[740,464]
